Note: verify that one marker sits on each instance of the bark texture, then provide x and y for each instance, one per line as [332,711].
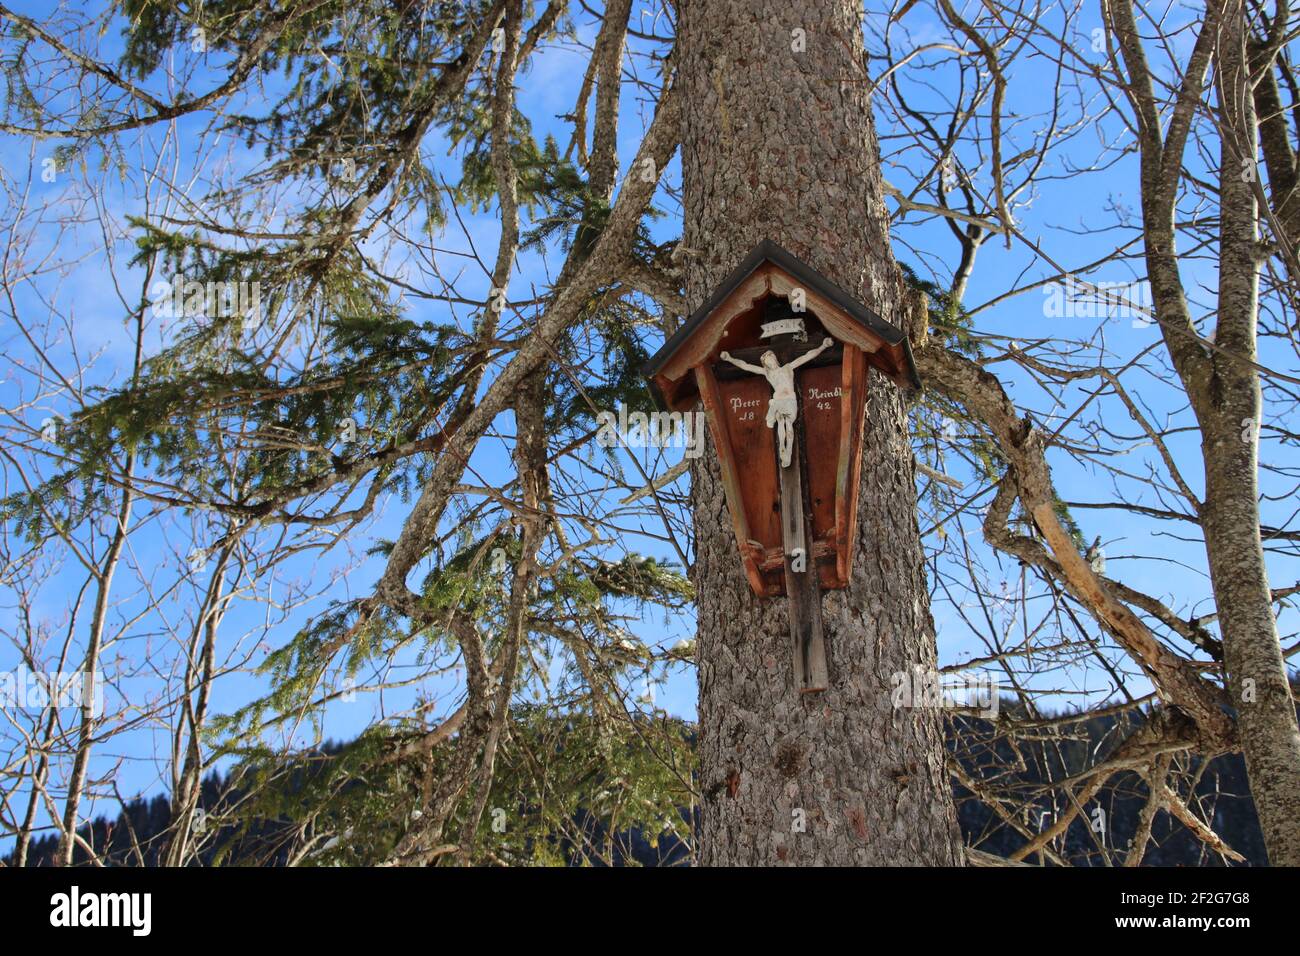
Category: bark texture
[778,143]
[1220,377]
[1228,408]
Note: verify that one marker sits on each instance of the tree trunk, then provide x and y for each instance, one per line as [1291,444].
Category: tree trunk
[778,143]
[1228,409]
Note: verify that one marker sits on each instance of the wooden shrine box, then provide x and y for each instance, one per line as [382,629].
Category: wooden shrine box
[772,288]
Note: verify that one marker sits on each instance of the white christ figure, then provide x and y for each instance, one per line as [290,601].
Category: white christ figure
[783,406]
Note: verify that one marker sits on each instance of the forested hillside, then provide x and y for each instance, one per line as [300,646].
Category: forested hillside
[587,824]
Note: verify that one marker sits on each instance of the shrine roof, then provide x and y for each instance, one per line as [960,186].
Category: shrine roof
[889,335]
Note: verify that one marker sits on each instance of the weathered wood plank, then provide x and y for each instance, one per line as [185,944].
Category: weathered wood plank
[820,409]
[735,499]
[802,592]
[849,471]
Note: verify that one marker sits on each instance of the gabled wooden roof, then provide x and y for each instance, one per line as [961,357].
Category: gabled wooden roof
[771,270]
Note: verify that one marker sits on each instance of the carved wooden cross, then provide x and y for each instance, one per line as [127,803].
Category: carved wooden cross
[780,364]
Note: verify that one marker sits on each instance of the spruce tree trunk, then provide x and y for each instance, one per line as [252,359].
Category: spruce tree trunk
[778,143]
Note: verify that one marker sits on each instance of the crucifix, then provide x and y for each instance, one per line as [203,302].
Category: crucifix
[778,355]
[783,406]
[783,416]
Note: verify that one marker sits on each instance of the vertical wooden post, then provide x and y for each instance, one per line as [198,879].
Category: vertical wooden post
[801,586]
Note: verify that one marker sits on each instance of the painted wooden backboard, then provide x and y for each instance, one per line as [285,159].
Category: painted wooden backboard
[830,418]
[831,391]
